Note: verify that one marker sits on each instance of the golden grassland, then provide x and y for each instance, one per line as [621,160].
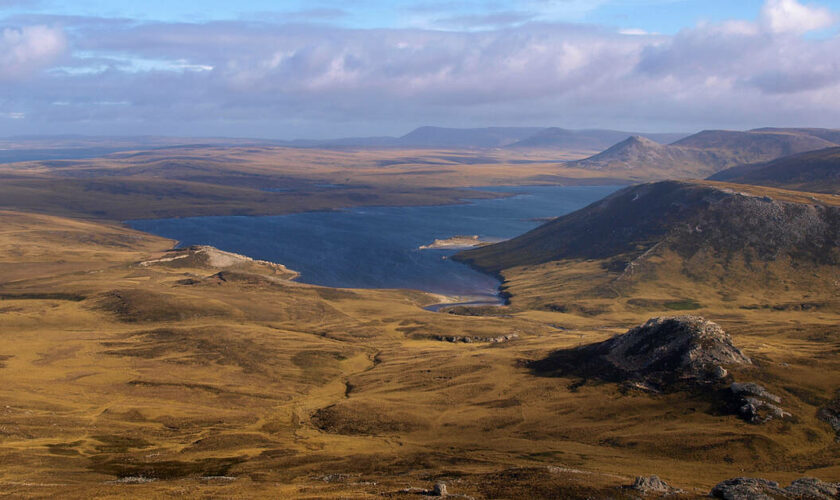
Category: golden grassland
[127,380]
[216,180]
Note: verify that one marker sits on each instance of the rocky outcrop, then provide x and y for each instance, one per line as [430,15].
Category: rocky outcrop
[671,354]
[664,354]
[746,488]
[439,490]
[755,404]
[830,414]
[652,485]
[809,487]
[466,339]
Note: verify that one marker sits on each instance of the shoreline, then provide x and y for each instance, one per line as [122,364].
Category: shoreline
[472,301]
[488,294]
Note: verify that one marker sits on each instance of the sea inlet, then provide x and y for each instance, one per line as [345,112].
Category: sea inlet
[379,247]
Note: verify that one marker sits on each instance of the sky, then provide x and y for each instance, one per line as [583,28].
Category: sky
[291,69]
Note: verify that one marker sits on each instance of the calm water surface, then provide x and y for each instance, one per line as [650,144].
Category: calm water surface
[377,247]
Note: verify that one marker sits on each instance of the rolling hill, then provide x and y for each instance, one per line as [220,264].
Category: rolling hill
[130,370]
[816,171]
[559,138]
[442,137]
[521,138]
[668,231]
[640,153]
[766,142]
[709,151]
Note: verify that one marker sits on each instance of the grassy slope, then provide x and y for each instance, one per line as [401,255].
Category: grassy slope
[815,171]
[630,222]
[116,370]
[112,369]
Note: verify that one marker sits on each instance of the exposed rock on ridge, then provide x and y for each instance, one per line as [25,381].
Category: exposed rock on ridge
[755,404]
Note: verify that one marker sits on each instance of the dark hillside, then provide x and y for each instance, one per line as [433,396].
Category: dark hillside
[815,171]
[685,218]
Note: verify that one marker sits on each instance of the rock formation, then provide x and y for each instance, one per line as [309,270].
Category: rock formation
[671,354]
[756,404]
[652,485]
[830,414]
[746,488]
[664,354]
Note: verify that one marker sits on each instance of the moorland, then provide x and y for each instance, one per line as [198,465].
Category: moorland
[134,369]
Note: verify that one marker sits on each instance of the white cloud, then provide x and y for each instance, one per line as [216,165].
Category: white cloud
[28,49]
[295,79]
[790,16]
[633,31]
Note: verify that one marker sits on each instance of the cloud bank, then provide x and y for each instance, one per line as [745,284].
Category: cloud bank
[25,50]
[286,78]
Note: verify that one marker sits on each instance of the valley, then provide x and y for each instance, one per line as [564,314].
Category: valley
[412,249]
[135,369]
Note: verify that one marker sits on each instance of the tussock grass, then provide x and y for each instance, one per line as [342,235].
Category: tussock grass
[296,390]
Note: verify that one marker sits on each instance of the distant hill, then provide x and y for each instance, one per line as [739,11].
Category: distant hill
[344,142]
[755,145]
[709,151]
[27,148]
[584,139]
[704,230]
[642,154]
[816,171]
[489,137]
[831,135]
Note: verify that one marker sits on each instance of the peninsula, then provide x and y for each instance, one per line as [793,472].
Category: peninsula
[459,242]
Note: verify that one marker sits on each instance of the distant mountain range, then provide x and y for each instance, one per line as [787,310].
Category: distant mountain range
[423,137]
[709,151]
[492,137]
[626,155]
[737,146]
[560,138]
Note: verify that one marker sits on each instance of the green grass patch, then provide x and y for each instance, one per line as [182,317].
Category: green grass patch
[683,305]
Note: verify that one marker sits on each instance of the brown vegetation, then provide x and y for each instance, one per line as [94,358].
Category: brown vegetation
[132,370]
[157,378]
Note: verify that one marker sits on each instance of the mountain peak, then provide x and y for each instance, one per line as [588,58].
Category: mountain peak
[638,139]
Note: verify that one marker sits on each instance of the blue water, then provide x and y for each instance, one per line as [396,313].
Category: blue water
[377,247]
